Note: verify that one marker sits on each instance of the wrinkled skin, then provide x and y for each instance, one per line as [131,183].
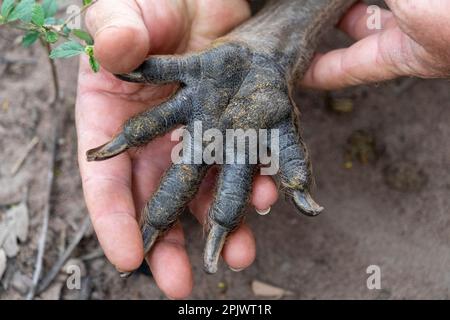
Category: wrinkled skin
[239,82]
[252,93]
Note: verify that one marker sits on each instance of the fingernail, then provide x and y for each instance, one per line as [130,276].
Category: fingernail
[236,270]
[263,212]
[124,274]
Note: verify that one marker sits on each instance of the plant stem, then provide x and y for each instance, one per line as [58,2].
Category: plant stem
[55,78]
[69,19]
[58,117]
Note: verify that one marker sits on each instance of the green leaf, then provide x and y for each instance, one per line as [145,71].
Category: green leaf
[89,50]
[87,2]
[52,21]
[22,11]
[83,35]
[7,7]
[38,15]
[66,30]
[29,38]
[67,50]
[51,36]
[50,8]
[95,66]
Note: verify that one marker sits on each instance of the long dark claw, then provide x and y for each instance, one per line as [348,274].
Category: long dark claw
[116,146]
[295,170]
[162,69]
[233,191]
[177,188]
[134,76]
[214,244]
[305,203]
[149,236]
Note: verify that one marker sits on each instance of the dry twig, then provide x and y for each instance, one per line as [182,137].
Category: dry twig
[24,156]
[47,280]
[58,116]
[95,254]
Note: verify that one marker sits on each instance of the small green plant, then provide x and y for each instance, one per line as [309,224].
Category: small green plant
[38,21]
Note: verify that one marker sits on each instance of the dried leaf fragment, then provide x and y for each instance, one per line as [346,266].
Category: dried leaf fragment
[264,290]
[13,227]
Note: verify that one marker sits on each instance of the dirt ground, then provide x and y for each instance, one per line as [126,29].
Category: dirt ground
[381,172]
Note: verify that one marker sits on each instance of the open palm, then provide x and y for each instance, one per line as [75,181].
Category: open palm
[116,190]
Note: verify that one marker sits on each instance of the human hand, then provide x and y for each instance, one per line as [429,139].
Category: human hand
[413,41]
[125,32]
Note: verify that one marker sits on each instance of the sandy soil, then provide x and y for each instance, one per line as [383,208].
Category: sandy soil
[392,211]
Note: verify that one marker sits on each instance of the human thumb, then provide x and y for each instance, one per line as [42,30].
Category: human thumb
[121,37]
